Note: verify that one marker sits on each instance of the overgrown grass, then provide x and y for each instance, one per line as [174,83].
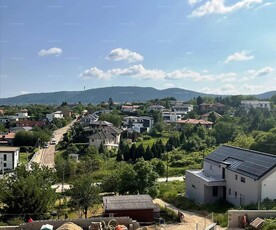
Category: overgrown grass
[171,189]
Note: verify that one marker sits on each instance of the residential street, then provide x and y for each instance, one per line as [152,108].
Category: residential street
[46,156]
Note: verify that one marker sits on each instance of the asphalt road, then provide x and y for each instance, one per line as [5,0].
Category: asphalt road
[46,156]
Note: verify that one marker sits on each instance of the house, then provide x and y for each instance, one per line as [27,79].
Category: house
[96,126]
[205,116]
[247,104]
[155,108]
[137,207]
[88,119]
[27,123]
[206,124]
[129,108]
[9,157]
[182,107]
[171,116]
[16,129]
[7,138]
[22,114]
[108,136]
[240,176]
[51,116]
[207,107]
[138,124]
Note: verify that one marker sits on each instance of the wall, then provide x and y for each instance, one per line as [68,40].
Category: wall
[145,215]
[268,186]
[194,187]
[216,171]
[247,193]
[233,216]
[84,223]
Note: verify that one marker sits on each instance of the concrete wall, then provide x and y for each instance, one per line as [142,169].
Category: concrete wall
[208,194]
[233,216]
[84,223]
[194,188]
[247,193]
[268,186]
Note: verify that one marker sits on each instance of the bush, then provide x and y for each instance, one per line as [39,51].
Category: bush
[269,224]
[221,219]
[168,215]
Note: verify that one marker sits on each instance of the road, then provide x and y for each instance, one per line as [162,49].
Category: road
[46,156]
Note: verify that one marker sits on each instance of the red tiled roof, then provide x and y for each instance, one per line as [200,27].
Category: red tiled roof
[194,122]
[8,135]
[30,123]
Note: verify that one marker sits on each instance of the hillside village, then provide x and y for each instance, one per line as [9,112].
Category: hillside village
[115,161]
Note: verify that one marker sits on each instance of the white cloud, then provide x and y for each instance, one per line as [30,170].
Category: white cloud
[140,72]
[193,2]
[218,7]
[124,54]
[264,5]
[24,92]
[244,55]
[137,71]
[52,51]
[227,89]
[262,72]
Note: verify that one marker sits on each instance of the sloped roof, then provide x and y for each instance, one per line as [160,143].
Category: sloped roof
[243,161]
[102,135]
[8,149]
[128,202]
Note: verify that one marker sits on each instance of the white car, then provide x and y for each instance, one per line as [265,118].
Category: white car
[53,141]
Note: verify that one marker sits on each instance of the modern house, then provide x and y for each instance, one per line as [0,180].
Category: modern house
[169,116]
[51,116]
[206,124]
[240,176]
[138,124]
[247,104]
[22,114]
[182,107]
[137,207]
[88,119]
[9,158]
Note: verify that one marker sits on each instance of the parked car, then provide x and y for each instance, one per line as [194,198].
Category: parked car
[46,145]
[53,141]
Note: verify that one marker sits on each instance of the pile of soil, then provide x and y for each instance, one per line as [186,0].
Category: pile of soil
[69,226]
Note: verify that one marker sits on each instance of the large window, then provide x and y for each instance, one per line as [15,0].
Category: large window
[5,157]
[215,191]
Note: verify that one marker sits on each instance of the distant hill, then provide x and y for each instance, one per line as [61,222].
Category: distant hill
[118,94]
[266,95]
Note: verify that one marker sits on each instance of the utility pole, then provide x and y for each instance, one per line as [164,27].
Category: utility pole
[167,167]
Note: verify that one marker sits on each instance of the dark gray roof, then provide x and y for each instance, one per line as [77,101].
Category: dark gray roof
[243,161]
[128,202]
[102,135]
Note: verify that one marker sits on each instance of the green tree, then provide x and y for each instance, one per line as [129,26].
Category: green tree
[83,194]
[28,192]
[115,119]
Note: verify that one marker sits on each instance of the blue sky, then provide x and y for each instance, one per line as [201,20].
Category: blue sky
[213,46]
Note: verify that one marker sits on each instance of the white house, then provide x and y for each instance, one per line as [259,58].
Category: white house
[51,116]
[240,176]
[182,108]
[171,116]
[247,104]
[22,114]
[129,108]
[9,157]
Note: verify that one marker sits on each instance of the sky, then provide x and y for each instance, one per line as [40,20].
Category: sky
[209,46]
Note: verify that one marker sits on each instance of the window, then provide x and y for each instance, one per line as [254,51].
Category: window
[5,165]
[243,179]
[211,167]
[193,186]
[236,194]
[215,191]
[229,191]
[236,176]
[5,157]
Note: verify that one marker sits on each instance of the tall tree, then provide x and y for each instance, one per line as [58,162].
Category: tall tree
[83,193]
[28,192]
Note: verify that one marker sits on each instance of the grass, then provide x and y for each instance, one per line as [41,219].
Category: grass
[23,158]
[171,189]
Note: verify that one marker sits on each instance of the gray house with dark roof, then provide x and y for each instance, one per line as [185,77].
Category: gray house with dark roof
[240,176]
